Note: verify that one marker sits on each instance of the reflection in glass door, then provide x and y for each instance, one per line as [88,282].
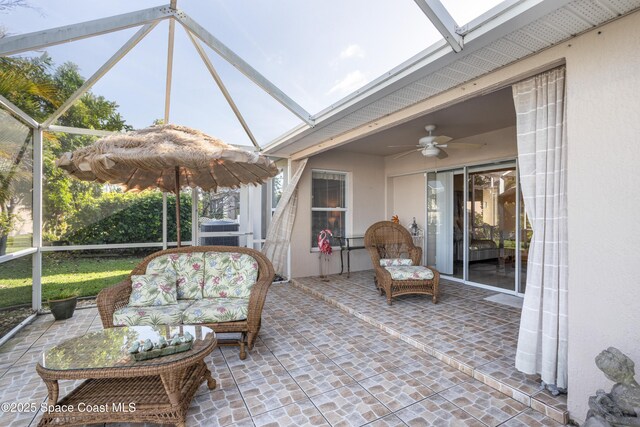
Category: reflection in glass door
[491,209]
[439,221]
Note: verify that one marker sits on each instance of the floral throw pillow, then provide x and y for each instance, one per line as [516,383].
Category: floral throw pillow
[189,268]
[148,290]
[229,275]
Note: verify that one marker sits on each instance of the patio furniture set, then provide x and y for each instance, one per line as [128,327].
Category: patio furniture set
[202,290]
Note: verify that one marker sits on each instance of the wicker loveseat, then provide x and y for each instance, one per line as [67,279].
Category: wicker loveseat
[396,261]
[221,287]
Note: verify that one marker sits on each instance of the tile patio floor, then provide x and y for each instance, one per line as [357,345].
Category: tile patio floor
[316,364]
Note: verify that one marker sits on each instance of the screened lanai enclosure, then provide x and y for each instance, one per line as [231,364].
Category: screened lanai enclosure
[223,70]
[337,95]
[129,71]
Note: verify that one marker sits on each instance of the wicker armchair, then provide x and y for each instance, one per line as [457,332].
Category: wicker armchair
[117,296]
[389,241]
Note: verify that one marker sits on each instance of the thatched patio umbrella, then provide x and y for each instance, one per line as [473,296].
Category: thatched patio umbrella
[167,157]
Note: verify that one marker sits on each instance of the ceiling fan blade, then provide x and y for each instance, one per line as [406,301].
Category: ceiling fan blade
[442,154]
[442,139]
[404,145]
[406,153]
[471,145]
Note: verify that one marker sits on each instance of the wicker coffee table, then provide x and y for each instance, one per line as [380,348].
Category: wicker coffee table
[118,388]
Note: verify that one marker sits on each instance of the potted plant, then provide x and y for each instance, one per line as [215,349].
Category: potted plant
[63,303]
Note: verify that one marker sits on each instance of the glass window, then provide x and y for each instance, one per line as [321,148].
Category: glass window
[328,204]
[223,204]
[16,183]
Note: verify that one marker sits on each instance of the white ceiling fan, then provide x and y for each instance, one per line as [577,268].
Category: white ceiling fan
[432,145]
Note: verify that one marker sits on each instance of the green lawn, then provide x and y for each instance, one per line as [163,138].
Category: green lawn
[88,275]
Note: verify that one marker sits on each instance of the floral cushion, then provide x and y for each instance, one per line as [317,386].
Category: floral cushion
[410,272]
[189,269]
[213,310]
[149,290]
[229,275]
[161,264]
[150,316]
[387,262]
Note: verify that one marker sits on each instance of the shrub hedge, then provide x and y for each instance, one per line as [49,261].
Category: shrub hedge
[127,218]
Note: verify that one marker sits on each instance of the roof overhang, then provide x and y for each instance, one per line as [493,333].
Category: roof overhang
[513,30]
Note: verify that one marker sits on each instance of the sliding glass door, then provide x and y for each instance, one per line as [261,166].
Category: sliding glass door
[477,231]
[491,209]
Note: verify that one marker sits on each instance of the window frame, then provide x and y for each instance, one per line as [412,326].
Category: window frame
[346,209]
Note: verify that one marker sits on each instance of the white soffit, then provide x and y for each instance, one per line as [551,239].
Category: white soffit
[561,21]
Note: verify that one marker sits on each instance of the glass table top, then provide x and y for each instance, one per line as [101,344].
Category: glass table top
[109,348]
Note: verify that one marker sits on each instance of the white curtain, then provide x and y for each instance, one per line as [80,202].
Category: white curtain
[279,232]
[542,156]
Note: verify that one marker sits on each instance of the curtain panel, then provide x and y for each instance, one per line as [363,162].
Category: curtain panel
[542,156]
[279,232]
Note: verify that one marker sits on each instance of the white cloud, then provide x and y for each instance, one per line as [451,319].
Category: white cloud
[352,81]
[352,51]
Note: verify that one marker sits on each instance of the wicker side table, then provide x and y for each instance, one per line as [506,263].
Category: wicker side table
[118,388]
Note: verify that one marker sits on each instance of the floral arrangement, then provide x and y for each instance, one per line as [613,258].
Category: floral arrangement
[395,219]
[323,241]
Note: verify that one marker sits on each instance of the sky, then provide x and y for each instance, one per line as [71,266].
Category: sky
[317,52]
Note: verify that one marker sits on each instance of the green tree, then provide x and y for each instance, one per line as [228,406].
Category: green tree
[24,83]
[37,87]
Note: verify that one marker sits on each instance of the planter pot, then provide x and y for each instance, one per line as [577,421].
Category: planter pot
[63,308]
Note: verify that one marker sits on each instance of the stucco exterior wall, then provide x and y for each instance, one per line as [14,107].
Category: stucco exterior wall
[603,81]
[365,198]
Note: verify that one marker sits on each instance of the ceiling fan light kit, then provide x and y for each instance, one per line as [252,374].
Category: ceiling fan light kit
[432,145]
[430,151]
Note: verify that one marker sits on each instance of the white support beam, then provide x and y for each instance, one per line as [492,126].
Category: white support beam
[17,254]
[4,102]
[246,69]
[36,286]
[167,88]
[207,62]
[80,131]
[54,36]
[111,62]
[443,21]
